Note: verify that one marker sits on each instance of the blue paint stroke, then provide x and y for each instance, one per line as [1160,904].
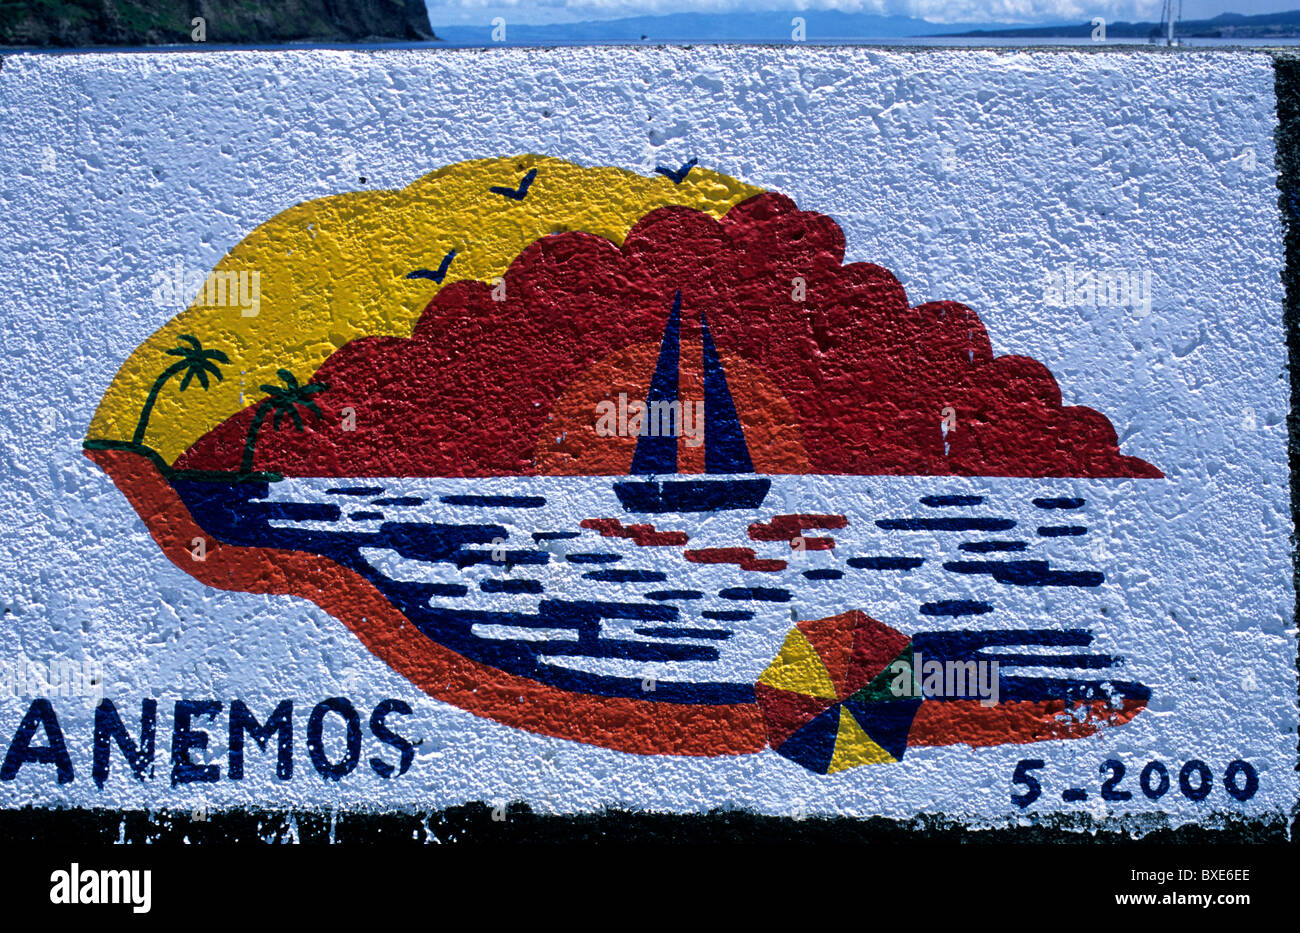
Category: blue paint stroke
[510,586]
[677,175]
[631,651]
[985,547]
[973,523]
[504,502]
[464,558]
[1060,502]
[516,194]
[938,502]
[296,511]
[717,634]
[626,576]
[438,274]
[823,574]
[955,607]
[1027,573]
[656,452]
[885,563]
[725,450]
[688,495]
[757,593]
[447,589]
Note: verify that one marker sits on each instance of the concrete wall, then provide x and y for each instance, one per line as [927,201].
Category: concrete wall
[1003,337]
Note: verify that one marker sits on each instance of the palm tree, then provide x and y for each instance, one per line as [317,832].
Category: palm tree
[283,400]
[195,362]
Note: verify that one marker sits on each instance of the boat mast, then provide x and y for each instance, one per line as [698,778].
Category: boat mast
[1168,17]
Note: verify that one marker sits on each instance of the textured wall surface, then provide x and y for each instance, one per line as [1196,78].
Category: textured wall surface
[995,339]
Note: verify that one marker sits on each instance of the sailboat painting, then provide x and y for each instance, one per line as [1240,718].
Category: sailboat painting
[725,451]
[408,436]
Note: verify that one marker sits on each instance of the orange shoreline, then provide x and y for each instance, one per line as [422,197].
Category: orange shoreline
[625,724]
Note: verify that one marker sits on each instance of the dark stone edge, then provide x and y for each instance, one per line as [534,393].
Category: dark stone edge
[1286,71]
[480,823]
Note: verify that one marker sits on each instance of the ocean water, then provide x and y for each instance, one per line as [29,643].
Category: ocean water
[550,578]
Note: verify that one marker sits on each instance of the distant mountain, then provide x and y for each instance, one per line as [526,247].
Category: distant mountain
[820,26]
[1223,26]
[87,23]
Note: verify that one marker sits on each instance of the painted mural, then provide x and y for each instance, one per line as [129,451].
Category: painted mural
[542,437]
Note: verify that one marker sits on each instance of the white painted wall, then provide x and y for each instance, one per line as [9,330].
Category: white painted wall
[968,174]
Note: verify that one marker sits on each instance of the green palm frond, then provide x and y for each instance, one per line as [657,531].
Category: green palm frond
[198,362]
[280,401]
[285,400]
[195,362]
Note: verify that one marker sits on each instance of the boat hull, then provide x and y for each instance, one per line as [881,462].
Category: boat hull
[691,495]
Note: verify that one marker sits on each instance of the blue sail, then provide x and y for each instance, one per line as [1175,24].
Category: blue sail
[725,450]
[656,454]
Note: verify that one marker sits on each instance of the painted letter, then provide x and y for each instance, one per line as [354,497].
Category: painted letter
[40,713]
[329,770]
[242,720]
[108,725]
[184,739]
[389,737]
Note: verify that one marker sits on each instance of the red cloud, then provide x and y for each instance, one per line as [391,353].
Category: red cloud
[866,376]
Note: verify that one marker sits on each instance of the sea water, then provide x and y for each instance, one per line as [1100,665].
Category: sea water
[549,577]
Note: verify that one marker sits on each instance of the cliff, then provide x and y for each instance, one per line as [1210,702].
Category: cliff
[78,23]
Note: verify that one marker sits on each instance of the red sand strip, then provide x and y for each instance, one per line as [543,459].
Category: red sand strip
[785,527]
[643,535]
[744,556]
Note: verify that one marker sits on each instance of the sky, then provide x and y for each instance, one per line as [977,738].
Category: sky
[447,12]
